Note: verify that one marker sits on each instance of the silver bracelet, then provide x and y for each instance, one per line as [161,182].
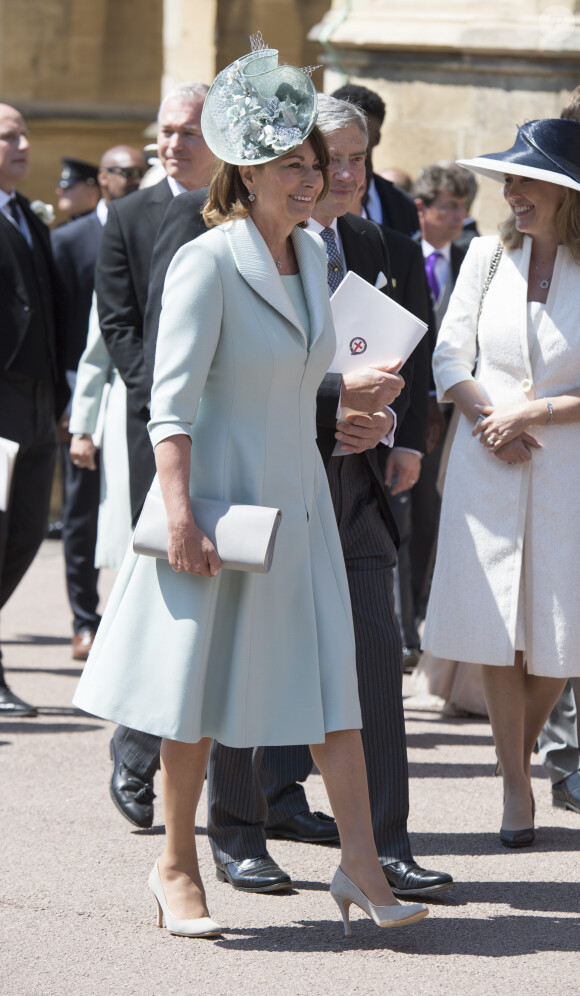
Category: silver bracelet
[551,412]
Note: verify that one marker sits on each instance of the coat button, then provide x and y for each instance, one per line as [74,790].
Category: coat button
[27,307]
[526,384]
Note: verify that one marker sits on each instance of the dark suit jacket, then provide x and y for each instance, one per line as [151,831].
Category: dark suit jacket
[411,290]
[29,303]
[182,223]
[366,253]
[122,283]
[399,211]
[75,247]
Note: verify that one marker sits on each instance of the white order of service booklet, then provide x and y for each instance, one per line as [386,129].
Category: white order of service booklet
[371,328]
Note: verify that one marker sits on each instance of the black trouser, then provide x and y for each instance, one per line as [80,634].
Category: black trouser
[27,417]
[80,514]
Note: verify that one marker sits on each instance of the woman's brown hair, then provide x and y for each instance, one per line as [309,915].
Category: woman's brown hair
[228,197]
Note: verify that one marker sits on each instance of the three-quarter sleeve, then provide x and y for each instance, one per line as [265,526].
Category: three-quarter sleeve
[189,331]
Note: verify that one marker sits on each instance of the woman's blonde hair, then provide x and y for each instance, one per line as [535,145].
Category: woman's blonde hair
[228,197]
[567,223]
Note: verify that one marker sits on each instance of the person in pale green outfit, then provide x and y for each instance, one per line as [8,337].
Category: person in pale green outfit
[189,651]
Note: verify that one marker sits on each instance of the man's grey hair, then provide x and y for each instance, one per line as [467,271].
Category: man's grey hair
[333,115]
[190,91]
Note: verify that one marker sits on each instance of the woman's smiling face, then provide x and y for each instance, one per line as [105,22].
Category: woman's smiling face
[287,187]
[535,204]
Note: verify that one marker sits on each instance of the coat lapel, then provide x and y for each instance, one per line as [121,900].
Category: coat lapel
[313,272]
[255,264]
[524,266]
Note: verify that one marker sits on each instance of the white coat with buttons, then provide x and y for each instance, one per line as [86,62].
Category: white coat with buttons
[498,519]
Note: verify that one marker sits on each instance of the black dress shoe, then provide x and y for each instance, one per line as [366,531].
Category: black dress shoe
[254,875]
[132,795]
[309,828]
[408,878]
[411,657]
[11,705]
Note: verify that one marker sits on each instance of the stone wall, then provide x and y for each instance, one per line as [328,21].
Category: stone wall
[457,77]
[87,76]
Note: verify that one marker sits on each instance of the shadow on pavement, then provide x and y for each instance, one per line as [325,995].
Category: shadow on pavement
[33,726]
[537,897]
[548,838]
[74,671]
[434,739]
[453,769]
[490,937]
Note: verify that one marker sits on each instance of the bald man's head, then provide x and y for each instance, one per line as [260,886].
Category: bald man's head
[14,146]
[120,171]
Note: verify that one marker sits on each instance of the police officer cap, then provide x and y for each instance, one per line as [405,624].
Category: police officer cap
[77,171]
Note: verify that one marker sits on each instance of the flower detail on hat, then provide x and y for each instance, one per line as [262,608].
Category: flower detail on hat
[259,124]
[45,212]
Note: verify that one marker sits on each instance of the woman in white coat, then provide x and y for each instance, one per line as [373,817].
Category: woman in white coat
[506,586]
[189,651]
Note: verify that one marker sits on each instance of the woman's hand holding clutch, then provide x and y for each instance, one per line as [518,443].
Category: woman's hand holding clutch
[190,550]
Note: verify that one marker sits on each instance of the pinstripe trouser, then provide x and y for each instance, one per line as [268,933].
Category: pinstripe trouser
[249,789]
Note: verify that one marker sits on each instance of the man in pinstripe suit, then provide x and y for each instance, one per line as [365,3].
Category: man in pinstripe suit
[256,793]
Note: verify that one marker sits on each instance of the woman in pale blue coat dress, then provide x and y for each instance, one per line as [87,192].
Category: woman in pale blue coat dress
[190,652]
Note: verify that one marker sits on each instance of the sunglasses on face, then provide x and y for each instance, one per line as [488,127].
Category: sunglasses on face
[127,172]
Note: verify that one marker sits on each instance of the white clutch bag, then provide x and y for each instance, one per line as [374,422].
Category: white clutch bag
[243,535]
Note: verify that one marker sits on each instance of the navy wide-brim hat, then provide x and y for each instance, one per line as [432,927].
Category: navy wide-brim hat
[548,150]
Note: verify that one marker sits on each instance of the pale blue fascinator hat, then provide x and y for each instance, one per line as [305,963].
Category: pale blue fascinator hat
[257,110]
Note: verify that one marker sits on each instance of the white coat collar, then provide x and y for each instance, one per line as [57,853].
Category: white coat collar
[257,267]
[522,262]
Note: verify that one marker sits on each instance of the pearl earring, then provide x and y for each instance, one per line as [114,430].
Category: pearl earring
[251,196]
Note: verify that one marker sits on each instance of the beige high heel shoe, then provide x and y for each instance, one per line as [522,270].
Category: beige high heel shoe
[344,892]
[202,927]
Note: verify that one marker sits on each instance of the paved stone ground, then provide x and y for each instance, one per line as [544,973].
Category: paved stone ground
[76,917]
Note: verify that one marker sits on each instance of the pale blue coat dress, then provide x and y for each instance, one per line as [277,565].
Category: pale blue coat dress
[247,659]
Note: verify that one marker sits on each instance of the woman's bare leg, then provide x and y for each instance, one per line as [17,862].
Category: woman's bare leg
[341,763]
[183,769]
[518,705]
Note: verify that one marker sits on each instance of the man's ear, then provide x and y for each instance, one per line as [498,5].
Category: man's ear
[420,206]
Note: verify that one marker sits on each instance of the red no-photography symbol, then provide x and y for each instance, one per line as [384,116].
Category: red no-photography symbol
[357,345]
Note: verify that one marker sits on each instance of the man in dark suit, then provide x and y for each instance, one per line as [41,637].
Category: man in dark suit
[383,202]
[75,247]
[33,389]
[122,276]
[122,285]
[249,790]
[369,541]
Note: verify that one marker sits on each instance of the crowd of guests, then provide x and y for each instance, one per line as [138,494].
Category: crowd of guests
[95,344]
